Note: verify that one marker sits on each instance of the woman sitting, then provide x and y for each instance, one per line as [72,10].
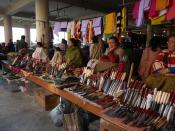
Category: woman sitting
[113,56]
[148,57]
[165,62]
[73,54]
[163,77]
[57,58]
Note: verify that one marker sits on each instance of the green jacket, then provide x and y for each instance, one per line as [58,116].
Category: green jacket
[74,57]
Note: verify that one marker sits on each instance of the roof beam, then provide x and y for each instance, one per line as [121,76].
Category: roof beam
[17,6]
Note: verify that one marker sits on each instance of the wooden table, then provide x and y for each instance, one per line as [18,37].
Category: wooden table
[81,102]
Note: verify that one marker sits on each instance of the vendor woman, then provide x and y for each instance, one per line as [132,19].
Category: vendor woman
[73,54]
[165,62]
[163,76]
[113,55]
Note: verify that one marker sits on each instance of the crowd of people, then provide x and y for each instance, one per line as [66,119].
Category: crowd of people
[5,48]
[107,55]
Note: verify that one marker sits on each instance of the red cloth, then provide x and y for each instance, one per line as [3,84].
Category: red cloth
[152,10]
[136,9]
[165,59]
[111,57]
[171,11]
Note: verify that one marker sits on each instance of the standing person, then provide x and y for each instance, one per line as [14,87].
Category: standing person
[21,44]
[148,57]
[10,46]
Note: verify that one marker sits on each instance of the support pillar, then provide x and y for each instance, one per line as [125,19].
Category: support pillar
[7,28]
[149,34]
[42,22]
[27,34]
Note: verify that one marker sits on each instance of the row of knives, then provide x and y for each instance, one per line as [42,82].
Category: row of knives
[147,108]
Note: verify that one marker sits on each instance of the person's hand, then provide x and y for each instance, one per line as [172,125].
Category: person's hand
[164,71]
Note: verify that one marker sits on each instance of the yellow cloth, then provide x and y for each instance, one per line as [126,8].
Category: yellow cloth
[123,19]
[110,23]
[68,35]
[12,54]
[163,83]
[158,20]
[161,4]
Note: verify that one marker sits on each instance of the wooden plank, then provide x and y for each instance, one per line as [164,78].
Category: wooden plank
[79,101]
[118,122]
[69,96]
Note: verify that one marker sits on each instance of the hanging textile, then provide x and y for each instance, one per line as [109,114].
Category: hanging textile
[158,20]
[77,31]
[57,27]
[136,10]
[97,25]
[63,26]
[119,21]
[171,11]
[84,27]
[91,32]
[124,19]
[143,6]
[152,11]
[110,23]
[162,4]
[70,29]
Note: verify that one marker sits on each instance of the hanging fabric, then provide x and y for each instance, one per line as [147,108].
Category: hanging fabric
[135,10]
[162,4]
[152,12]
[84,25]
[143,6]
[77,34]
[158,20]
[57,27]
[63,26]
[97,25]
[119,21]
[110,23]
[124,19]
[70,29]
[91,32]
[171,11]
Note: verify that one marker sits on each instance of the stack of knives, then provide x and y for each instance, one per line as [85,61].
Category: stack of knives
[142,107]
[99,88]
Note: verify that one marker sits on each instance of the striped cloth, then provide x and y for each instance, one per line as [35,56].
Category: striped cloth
[165,59]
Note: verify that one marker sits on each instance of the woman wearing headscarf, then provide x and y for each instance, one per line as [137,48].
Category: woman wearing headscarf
[73,56]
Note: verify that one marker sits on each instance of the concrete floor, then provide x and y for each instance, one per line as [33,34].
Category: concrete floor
[20,112]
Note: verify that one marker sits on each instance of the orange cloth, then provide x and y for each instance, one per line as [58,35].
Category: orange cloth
[162,4]
[110,23]
[148,57]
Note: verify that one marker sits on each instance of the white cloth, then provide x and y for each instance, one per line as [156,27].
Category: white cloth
[57,58]
[40,54]
[143,6]
[70,28]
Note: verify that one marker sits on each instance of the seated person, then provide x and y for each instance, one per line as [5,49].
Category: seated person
[148,57]
[57,58]
[73,56]
[165,62]
[96,49]
[164,69]
[39,53]
[114,55]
